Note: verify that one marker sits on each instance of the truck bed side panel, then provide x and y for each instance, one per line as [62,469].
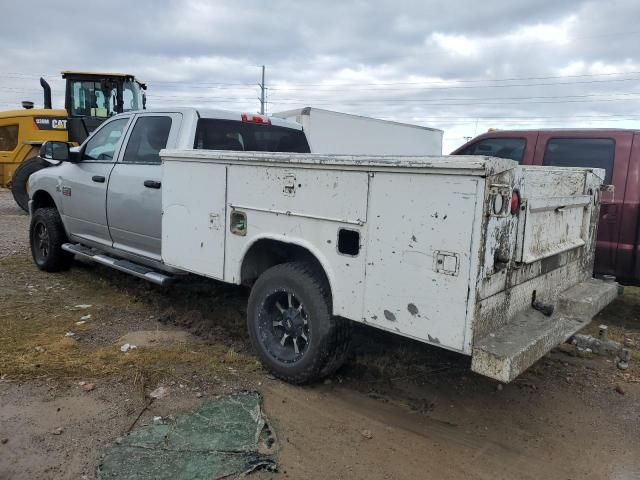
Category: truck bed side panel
[419,257]
[305,207]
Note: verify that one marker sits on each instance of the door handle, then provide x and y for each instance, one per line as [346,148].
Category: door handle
[152,184]
[98,178]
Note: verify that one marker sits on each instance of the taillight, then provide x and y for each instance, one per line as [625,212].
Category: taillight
[255,118]
[515,202]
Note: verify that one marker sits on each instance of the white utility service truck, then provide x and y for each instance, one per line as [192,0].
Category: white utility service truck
[342,133]
[473,254]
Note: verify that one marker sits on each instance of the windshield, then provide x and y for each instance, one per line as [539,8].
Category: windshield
[89,99]
[132,96]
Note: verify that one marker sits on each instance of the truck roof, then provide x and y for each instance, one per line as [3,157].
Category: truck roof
[308,110]
[218,114]
[586,131]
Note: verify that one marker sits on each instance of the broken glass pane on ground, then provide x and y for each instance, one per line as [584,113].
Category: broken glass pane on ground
[220,439]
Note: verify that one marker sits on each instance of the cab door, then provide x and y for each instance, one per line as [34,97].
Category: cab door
[134,198]
[83,185]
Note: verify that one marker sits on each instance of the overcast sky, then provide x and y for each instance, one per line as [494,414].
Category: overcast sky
[462,66]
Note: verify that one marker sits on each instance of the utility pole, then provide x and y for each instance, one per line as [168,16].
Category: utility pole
[262,89]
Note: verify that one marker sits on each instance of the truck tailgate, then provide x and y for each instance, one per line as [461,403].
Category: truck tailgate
[555,214]
[545,293]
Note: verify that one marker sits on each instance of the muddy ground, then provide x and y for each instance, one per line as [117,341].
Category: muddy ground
[397,410]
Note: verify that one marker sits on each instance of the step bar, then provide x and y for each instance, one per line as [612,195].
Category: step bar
[506,353]
[125,266]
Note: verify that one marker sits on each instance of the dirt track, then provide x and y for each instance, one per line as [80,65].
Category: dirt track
[398,410]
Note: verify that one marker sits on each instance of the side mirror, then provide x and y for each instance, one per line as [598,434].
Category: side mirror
[55,150]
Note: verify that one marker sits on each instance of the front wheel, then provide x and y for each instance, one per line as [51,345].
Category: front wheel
[290,322]
[46,236]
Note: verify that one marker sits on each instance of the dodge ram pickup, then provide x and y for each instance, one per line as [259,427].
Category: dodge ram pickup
[474,254]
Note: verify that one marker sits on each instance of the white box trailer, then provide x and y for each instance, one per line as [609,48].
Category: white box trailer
[474,254]
[341,133]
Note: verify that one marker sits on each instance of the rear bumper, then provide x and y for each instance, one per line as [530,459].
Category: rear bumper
[507,352]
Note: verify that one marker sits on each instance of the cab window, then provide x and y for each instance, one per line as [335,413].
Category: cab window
[132,96]
[149,136]
[511,148]
[8,138]
[214,134]
[581,152]
[102,145]
[92,99]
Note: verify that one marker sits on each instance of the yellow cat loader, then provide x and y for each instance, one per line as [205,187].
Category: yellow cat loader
[90,98]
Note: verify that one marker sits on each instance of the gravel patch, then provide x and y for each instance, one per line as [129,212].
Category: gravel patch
[14,226]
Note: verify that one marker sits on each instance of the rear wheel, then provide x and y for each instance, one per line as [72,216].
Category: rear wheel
[20,179]
[290,323]
[46,236]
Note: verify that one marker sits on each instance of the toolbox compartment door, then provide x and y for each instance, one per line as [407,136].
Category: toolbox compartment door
[556,211]
[553,225]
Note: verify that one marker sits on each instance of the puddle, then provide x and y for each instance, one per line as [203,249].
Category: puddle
[151,338]
[224,437]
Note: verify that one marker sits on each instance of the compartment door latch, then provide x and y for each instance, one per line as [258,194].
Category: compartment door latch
[446,262]
[289,187]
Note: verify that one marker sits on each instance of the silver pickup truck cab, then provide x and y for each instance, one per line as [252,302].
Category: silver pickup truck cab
[119,166]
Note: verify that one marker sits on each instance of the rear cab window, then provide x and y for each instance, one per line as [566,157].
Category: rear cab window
[581,152]
[505,147]
[212,134]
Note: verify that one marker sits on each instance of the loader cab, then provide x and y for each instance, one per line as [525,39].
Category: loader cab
[91,98]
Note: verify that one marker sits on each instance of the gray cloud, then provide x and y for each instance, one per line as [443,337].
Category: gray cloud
[415,61]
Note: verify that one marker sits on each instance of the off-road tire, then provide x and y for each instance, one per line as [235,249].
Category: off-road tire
[327,334]
[342,347]
[20,179]
[47,252]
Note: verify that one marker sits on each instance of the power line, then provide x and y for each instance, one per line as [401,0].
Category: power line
[297,100]
[492,98]
[466,104]
[454,87]
[630,115]
[358,84]
[355,84]
[557,100]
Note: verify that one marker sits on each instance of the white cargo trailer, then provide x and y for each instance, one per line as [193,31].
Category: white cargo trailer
[341,133]
[474,254]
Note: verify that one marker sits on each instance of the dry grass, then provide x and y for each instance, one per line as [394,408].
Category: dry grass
[38,309]
[64,357]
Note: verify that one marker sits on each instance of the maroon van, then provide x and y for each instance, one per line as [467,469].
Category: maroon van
[615,150]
